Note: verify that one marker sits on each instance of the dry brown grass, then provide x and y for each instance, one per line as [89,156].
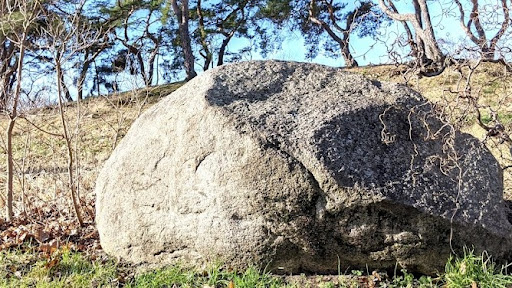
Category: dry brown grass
[96,124]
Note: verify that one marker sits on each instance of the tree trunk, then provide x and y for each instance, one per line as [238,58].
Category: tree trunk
[12,121]
[342,42]
[222,51]
[151,66]
[7,70]
[420,21]
[207,54]
[65,89]
[475,31]
[152,57]
[429,57]
[347,56]
[181,11]
[145,77]
[10,172]
[433,51]
[345,44]
[81,78]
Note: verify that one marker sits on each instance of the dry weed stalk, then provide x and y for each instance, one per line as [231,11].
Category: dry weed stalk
[65,37]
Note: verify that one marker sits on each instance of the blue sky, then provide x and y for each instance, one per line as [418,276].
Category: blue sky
[445,19]
[366,50]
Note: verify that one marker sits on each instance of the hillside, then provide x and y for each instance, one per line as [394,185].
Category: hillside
[42,197]
[97,124]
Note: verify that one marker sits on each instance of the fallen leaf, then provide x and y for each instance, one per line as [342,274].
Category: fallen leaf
[93,234]
[474,285]
[52,263]
[9,233]
[231,284]
[376,276]
[49,248]
[363,280]
[22,236]
[41,235]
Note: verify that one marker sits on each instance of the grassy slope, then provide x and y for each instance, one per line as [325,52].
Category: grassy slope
[103,121]
[99,123]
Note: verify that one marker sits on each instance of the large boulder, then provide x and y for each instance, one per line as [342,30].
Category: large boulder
[299,167]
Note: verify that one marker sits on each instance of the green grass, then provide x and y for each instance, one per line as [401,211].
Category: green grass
[28,268]
[63,269]
[463,272]
[407,280]
[176,276]
[504,118]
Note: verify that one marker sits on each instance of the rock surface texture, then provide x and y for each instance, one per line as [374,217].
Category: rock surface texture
[298,167]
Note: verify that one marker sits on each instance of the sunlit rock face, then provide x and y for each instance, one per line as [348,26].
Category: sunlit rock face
[298,167]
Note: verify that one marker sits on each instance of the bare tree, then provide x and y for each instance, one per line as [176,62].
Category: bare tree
[225,19]
[472,25]
[141,49]
[331,25]
[63,37]
[424,45]
[18,19]
[98,35]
